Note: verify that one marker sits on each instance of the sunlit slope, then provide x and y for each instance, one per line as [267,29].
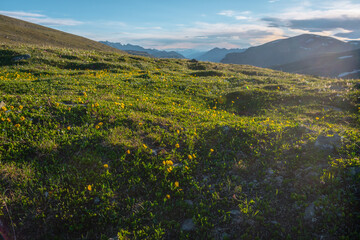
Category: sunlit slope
[96,145]
[15,31]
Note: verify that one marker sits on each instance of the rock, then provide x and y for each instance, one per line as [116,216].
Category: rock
[270,171]
[235,212]
[279,180]
[176,165]
[20,57]
[2,104]
[309,212]
[226,129]
[336,109]
[328,143]
[189,202]
[188,225]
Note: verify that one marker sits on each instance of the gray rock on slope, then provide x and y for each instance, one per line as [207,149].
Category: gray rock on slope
[20,57]
[328,142]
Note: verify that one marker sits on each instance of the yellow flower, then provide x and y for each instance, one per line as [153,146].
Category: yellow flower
[177,145]
[106,166]
[176,184]
[169,162]
[68,128]
[144,145]
[96,105]
[211,150]
[21,107]
[4,108]
[8,119]
[168,196]
[97,126]
[317,118]
[177,131]
[89,187]
[22,118]
[100,123]
[17,125]
[169,169]
[128,151]
[12,107]
[190,157]
[186,167]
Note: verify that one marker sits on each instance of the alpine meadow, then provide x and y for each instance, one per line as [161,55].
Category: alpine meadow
[97,143]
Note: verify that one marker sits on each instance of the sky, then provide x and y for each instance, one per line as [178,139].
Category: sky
[192,24]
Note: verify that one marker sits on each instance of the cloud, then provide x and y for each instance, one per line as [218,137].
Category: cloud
[41,19]
[316,24]
[20,14]
[237,15]
[200,35]
[335,18]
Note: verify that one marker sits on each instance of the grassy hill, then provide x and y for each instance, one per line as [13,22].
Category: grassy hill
[96,145]
[15,31]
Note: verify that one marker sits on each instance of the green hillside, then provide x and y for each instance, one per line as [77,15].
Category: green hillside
[98,145]
[15,31]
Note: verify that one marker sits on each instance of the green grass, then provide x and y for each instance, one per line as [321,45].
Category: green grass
[95,145]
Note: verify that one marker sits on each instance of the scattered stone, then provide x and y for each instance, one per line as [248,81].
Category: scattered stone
[279,180]
[328,142]
[270,171]
[2,104]
[189,202]
[235,212]
[336,109]
[226,129]
[188,225]
[176,165]
[153,152]
[205,178]
[20,57]
[309,212]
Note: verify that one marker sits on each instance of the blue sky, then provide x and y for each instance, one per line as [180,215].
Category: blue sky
[195,24]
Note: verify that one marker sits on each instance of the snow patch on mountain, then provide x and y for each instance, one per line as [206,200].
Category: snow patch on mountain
[348,73]
[344,57]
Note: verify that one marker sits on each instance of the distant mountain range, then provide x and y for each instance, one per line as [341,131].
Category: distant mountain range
[217,54]
[137,50]
[306,54]
[288,50]
[15,31]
